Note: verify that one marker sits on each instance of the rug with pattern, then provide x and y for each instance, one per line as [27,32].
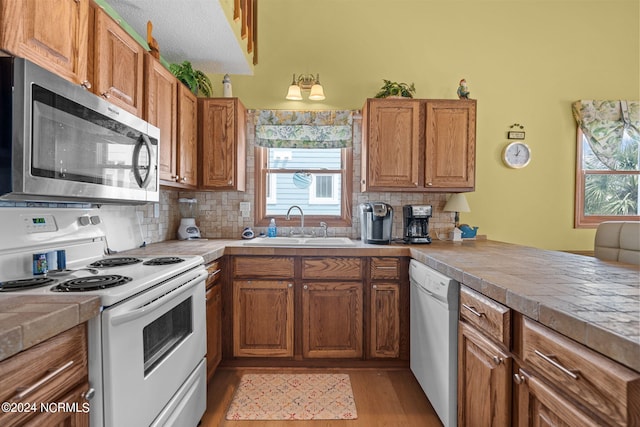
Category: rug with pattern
[293,397]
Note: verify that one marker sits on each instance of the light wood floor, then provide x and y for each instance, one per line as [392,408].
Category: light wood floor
[383,398]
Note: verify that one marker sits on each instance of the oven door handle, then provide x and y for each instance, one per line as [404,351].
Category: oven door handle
[147,307]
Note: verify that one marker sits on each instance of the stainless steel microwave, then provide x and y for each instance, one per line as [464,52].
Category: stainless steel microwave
[59,142]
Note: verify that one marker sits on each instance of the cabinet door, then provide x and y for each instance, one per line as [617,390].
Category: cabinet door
[222,136]
[187,137]
[332,320]
[484,380]
[391,145]
[51,33]
[539,405]
[385,320]
[262,318]
[161,102]
[450,144]
[118,64]
[214,328]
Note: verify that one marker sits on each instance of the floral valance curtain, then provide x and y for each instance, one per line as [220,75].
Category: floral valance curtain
[612,129]
[303,129]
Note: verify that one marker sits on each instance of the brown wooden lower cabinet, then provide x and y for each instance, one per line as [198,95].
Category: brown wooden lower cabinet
[332,320]
[52,372]
[537,404]
[213,298]
[319,307]
[484,380]
[384,339]
[262,318]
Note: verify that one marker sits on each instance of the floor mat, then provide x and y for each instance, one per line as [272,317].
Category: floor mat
[293,397]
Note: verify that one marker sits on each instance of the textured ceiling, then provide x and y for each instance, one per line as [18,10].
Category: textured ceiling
[193,30]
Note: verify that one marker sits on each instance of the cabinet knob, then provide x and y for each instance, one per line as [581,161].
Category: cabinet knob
[290,285]
[429,184]
[305,287]
[106,95]
[497,360]
[86,84]
[375,286]
[518,379]
[230,182]
[183,179]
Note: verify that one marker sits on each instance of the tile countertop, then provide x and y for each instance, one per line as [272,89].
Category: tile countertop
[596,303]
[28,320]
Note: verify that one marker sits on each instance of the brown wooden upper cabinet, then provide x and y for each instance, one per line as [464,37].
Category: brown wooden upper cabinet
[187,173]
[418,145]
[222,143]
[116,62]
[161,104]
[28,29]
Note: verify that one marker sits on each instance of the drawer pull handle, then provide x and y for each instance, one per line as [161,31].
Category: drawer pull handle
[385,268]
[497,360]
[24,392]
[549,358]
[473,310]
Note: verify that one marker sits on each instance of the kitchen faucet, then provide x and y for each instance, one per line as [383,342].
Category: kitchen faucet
[301,217]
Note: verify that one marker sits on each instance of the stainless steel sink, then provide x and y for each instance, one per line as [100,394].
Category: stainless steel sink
[306,242]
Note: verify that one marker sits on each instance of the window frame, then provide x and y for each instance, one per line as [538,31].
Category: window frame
[592,221]
[343,220]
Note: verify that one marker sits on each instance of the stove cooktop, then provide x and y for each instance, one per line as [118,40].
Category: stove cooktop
[112,278]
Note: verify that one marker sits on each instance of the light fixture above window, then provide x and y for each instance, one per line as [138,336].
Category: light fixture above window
[305,82]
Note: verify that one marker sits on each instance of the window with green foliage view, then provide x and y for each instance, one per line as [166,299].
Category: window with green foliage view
[607,192]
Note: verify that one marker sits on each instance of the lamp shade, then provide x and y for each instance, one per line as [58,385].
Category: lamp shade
[294,93]
[457,203]
[317,92]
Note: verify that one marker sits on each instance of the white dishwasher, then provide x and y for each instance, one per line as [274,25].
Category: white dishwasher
[434,338]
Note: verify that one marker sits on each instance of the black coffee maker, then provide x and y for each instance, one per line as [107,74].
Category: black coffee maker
[416,223]
[376,223]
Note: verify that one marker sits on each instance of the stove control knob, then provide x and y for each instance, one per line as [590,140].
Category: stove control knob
[84,220]
[95,219]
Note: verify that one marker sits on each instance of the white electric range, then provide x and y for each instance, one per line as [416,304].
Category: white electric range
[147,347]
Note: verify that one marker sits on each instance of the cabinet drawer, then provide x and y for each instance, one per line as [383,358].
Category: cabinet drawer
[492,318]
[600,384]
[263,266]
[45,372]
[385,268]
[332,268]
[215,273]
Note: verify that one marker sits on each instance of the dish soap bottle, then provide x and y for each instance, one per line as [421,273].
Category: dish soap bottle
[272,231]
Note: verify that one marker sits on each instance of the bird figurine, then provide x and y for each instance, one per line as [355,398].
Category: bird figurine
[463,90]
[154,49]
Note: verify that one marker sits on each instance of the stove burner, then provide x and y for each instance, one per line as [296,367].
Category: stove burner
[115,262]
[163,260]
[18,285]
[91,283]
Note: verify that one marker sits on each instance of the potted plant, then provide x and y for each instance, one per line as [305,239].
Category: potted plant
[395,89]
[195,80]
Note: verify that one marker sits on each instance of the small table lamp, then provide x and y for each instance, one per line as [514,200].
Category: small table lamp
[457,203]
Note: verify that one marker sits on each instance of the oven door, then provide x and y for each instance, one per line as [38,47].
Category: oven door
[151,345]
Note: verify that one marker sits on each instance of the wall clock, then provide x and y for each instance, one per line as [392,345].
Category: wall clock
[516,155]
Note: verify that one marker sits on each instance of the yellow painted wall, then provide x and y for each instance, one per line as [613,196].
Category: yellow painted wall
[525,62]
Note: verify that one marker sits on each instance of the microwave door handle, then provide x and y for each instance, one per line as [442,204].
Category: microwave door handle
[143,141]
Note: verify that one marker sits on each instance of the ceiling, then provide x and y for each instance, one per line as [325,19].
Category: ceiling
[193,30]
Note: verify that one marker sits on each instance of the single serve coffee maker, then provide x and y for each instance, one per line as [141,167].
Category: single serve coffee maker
[376,223]
[416,223]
